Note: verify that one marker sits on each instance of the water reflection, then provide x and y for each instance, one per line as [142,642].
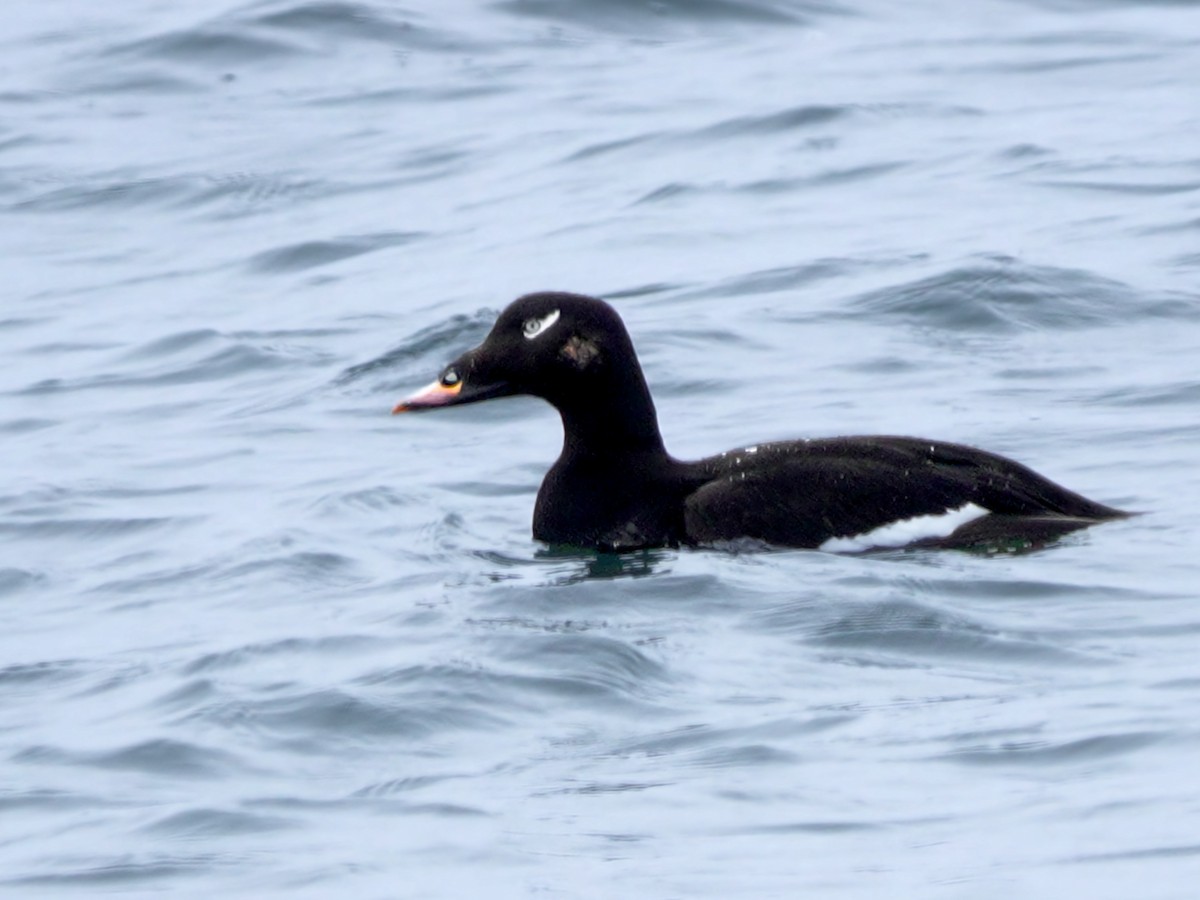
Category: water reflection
[588,565]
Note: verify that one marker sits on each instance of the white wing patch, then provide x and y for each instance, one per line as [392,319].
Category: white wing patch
[533,327]
[906,531]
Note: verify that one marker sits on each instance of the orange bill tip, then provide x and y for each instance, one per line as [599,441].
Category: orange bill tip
[429,397]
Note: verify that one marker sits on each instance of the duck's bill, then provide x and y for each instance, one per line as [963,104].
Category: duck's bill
[430,397]
[437,395]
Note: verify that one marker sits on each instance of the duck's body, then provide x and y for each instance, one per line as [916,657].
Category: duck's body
[615,487]
[846,493]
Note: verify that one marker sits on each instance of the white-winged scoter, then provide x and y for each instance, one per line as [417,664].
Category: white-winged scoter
[615,487]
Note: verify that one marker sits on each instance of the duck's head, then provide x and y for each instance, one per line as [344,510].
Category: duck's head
[562,347]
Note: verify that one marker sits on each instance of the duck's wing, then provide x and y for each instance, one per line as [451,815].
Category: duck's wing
[855,492]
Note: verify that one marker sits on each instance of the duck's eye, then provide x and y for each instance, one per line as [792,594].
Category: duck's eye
[450,377]
[535,326]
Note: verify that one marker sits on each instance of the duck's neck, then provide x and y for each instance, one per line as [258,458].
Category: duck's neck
[612,422]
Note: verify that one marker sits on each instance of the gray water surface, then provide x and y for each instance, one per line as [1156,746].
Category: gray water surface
[259,638]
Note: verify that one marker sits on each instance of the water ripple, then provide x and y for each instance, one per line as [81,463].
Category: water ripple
[311,254]
[159,756]
[428,346]
[202,823]
[212,45]
[365,22]
[1000,294]
[1043,753]
[632,16]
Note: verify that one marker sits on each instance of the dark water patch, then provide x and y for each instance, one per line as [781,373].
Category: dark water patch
[916,110]
[749,756]
[527,623]
[642,290]
[380,499]
[111,193]
[394,786]
[117,678]
[13,323]
[291,647]
[602,787]
[234,193]
[1157,631]
[226,363]
[149,83]
[567,566]
[322,722]
[239,354]
[1084,36]
[1025,151]
[162,756]
[310,568]
[56,348]
[417,96]
[1013,66]
[440,158]
[808,828]
[311,254]
[1173,227]
[638,17]
[797,118]
[781,278]
[20,142]
[916,631]
[884,365]
[802,615]
[769,186]
[431,343]
[376,805]
[13,581]
[155,581]
[463,682]
[365,22]
[1185,394]
[774,123]
[127,870]
[1048,374]
[439,810]
[1168,852]
[1002,295]
[668,192]
[706,742]
[709,388]
[1179,684]
[1045,753]
[1118,187]
[210,45]
[15,677]
[490,488]
[1012,589]
[189,695]
[216,823]
[48,799]
[1087,6]
[289,334]
[604,148]
[174,343]
[588,665]
[38,499]
[241,193]
[829,178]
[86,529]
[25,97]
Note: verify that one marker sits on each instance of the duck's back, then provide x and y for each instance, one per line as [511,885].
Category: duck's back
[857,492]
